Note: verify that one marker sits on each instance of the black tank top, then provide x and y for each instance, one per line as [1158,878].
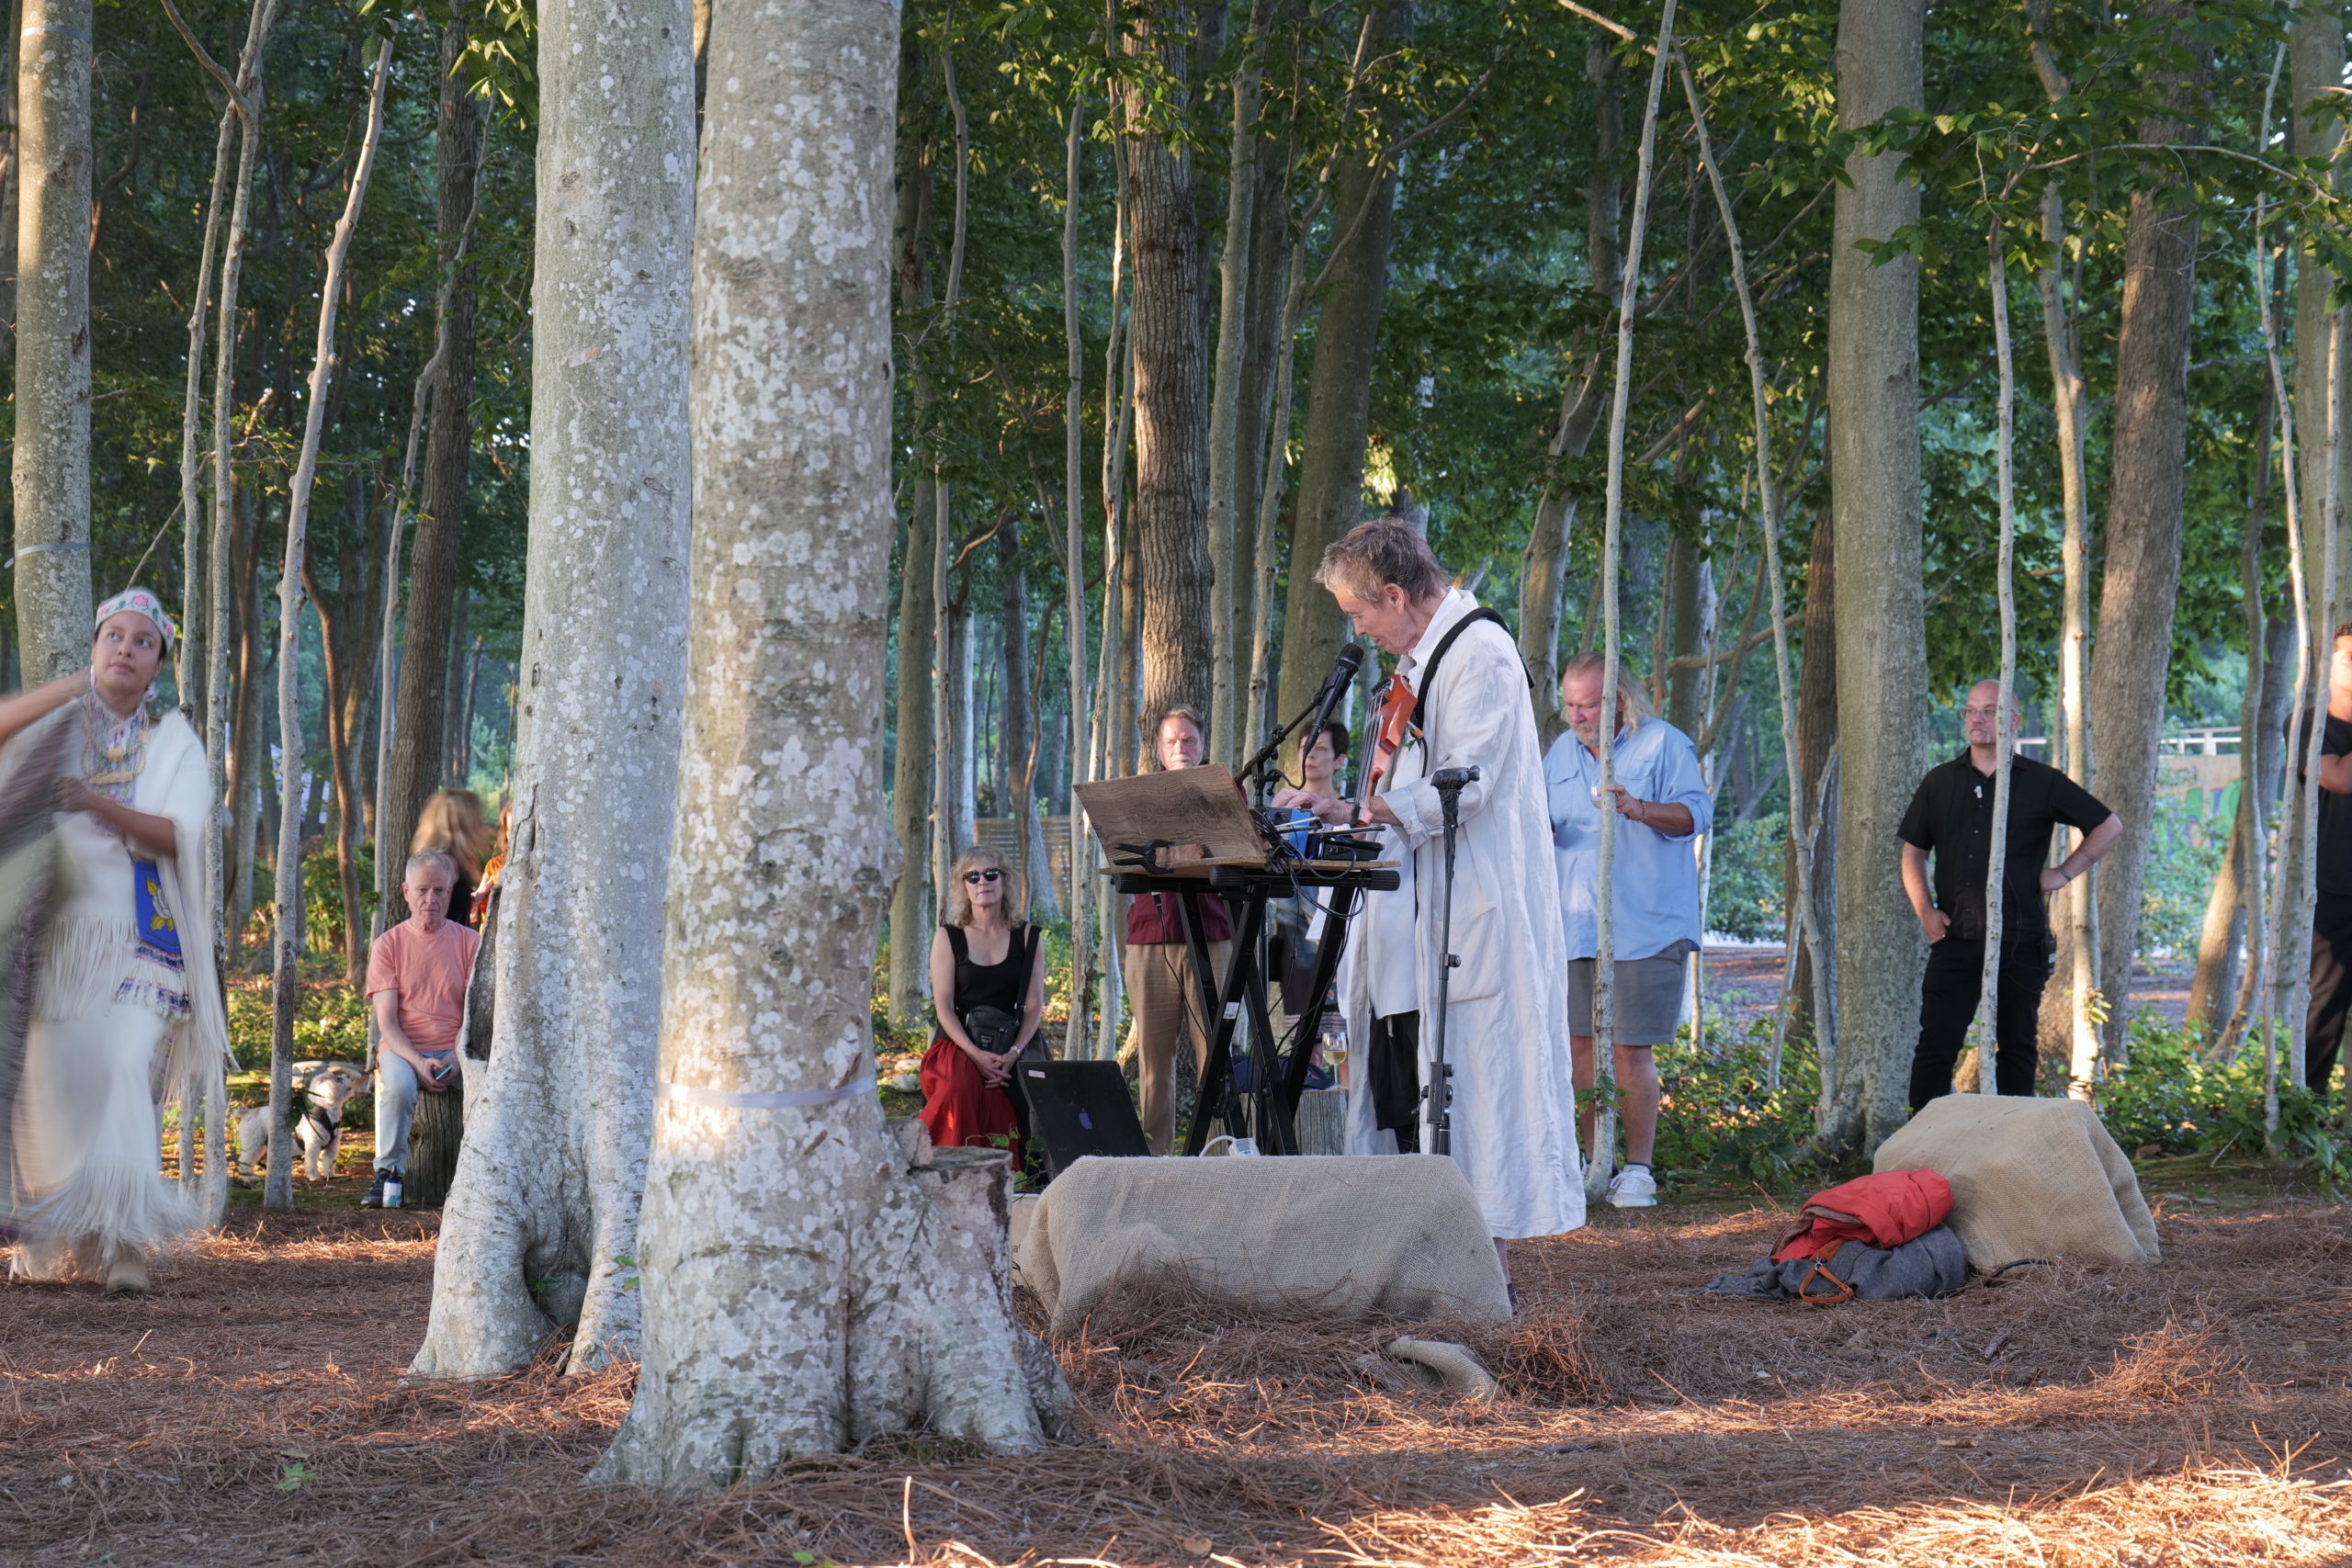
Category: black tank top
[1005,984]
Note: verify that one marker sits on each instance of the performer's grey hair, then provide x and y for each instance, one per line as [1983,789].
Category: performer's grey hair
[1631,693]
[428,857]
[1373,555]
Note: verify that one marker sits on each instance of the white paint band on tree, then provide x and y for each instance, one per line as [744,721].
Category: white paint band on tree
[40,549]
[687,1094]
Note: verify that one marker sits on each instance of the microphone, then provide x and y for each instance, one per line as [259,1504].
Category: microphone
[1344,666]
[1335,686]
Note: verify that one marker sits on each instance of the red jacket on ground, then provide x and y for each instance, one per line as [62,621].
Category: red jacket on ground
[1884,1209]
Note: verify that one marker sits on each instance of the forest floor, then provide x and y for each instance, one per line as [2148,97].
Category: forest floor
[2195,1412]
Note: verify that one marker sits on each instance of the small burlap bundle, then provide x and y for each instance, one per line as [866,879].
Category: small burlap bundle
[2030,1178]
[1399,1235]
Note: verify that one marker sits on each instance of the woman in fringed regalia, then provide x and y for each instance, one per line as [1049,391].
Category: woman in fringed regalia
[107,923]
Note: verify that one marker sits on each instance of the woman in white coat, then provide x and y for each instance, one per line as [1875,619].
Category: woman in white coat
[124,1006]
[1507,1042]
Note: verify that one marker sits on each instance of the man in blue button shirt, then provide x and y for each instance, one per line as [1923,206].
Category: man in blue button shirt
[1662,804]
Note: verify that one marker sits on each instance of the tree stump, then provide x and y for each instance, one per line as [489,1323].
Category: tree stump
[433,1141]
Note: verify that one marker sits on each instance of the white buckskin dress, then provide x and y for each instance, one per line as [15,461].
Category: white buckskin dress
[126,1011]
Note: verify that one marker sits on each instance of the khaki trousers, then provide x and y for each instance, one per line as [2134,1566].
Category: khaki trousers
[1167,1004]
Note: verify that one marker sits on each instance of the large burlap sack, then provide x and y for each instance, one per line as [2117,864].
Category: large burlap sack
[1345,1235]
[2030,1178]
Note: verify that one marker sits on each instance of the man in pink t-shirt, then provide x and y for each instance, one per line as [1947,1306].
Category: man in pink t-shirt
[416,984]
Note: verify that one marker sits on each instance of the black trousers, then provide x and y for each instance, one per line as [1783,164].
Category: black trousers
[1394,1061]
[2331,987]
[1948,999]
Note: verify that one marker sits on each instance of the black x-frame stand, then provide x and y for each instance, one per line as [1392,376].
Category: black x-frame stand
[1269,1111]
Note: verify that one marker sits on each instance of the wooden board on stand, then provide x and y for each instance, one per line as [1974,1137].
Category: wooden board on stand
[1200,811]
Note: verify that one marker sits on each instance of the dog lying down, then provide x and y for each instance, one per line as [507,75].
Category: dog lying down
[322,1090]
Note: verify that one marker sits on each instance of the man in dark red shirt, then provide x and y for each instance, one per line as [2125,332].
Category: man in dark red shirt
[1160,969]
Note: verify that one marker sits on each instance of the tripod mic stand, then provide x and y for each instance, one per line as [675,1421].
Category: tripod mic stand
[1450,784]
[1260,769]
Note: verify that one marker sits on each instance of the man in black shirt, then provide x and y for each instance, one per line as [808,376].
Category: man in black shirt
[2332,914]
[1951,815]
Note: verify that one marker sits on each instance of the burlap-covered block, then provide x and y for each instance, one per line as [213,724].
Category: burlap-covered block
[1348,1236]
[2030,1178]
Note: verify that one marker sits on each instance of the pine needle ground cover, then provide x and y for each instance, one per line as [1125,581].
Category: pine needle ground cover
[2193,1413]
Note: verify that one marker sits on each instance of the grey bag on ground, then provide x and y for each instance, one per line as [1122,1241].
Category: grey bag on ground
[1934,1264]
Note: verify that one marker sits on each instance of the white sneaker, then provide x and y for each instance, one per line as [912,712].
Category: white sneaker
[1634,1189]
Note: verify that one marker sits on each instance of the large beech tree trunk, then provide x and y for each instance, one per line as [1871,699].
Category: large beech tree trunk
[420,715]
[1339,399]
[51,469]
[1873,389]
[541,1222]
[2143,529]
[1171,410]
[803,1289]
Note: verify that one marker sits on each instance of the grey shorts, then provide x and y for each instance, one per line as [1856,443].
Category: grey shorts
[1648,999]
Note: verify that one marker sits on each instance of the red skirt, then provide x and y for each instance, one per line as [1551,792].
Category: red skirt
[959,1107]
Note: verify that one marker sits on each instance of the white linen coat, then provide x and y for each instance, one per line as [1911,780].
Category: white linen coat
[1514,1102]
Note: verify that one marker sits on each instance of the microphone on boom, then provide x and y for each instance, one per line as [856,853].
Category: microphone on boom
[1344,666]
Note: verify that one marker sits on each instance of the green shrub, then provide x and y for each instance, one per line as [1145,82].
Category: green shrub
[1744,882]
[2184,850]
[323,918]
[1720,1117]
[2170,1098]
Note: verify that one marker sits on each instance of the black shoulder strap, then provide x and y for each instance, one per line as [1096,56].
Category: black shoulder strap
[1424,709]
[956,943]
[1028,955]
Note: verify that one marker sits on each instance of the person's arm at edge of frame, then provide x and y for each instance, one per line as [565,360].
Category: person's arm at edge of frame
[1932,921]
[2085,854]
[390,1037]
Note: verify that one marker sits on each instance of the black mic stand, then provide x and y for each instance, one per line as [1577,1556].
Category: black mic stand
[1260,771]
[1450,782]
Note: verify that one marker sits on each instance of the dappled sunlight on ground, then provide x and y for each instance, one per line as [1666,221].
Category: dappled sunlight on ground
[2192,1413]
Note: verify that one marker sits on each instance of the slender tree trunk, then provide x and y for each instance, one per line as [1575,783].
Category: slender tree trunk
[895,1309]
[1171,395]
[286,993]
[1229,733]
[1339,395]
[1881,676]
[1543,569]
[2067,1009]
[911,774]
[1019,729]
[1076,1044]
[247,750]
[337,674]
[228,531]
[12,165]
[51,455]
[541,1223]
[195,630]
[419,719]
[1263,363]
[2143,529]
[2212,988]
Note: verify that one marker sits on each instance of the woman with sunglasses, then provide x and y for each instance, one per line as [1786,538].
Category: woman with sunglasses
[988,978]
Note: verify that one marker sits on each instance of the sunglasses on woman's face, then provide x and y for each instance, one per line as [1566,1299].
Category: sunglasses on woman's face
[983,875]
